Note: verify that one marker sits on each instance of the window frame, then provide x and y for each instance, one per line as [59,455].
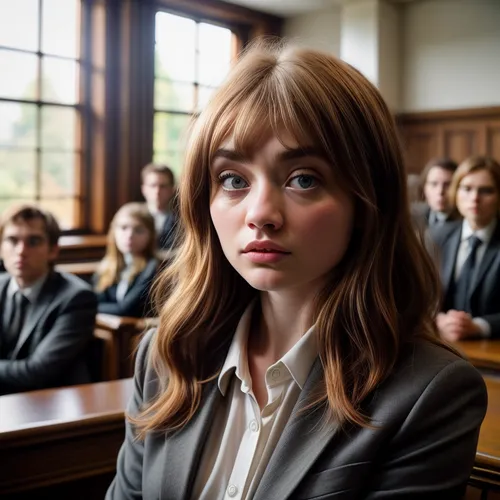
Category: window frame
[79,150]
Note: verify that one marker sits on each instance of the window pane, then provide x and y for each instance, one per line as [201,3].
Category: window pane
[58,128]
[64,210]
[204,94]
[18,124]
[17,171]
[175,47]
[58,174]
[174,96]
[215,54]
[169,131]
[19,75]
[59,80]
[174,159]
[9,202]
[19,24]
[60,27]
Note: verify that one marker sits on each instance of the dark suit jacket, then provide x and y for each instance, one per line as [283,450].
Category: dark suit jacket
[428,414]
[485,289]
[136,302]
[52,347]
[166,239]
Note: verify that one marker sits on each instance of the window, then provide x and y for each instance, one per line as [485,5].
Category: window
[191,60]
[40,112]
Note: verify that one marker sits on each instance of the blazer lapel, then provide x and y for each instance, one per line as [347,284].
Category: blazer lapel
[491,252]
[302,441]
[184,448]
[449,257]
[35,312]
[3,298]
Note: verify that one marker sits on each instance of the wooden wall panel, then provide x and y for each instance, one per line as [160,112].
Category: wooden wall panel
[456,134]
[421,144]
[493,138]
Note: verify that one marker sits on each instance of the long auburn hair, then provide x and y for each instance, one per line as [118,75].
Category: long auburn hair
[113,262]
[382,294]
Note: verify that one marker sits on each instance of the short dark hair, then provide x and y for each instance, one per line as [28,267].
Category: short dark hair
[28,213]
[158,168]
[444,163]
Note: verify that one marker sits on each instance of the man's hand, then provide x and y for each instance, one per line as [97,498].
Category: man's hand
[456,325]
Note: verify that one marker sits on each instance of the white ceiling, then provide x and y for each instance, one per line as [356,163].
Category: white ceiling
[288,8]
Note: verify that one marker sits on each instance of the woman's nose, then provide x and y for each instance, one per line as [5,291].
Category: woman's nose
[265,208]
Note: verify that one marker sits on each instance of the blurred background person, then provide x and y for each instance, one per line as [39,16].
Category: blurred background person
[158,189]
[469,253]
[47,317]
[125,274]
[435,182]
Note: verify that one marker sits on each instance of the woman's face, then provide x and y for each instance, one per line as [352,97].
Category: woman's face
[131,235]
[282,220]
[477,198]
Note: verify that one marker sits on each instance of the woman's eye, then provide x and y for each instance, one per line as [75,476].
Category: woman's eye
[303,182]
[232,182]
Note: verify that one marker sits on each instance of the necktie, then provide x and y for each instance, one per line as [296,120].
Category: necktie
[15,321]
[463,283]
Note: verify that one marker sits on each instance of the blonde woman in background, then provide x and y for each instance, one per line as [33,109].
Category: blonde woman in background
[127,271]
[297,356]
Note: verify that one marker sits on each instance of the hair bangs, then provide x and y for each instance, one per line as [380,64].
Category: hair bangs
[250,118]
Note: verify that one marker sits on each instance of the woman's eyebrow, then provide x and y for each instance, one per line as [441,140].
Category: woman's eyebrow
[286,155]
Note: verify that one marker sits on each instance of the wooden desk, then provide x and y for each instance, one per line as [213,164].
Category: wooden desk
[483,354]
[486,472]
[58,437]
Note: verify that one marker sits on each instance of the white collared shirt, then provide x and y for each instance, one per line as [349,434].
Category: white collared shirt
[437,217]
[30,292]
[242,438]
[484,234]
[159,217]
[124,283]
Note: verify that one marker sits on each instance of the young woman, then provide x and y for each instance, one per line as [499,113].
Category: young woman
[127,271]
[296,355]
[469,254]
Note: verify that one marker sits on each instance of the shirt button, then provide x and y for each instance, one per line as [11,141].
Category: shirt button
[275,374]
[232,491]
[254,426]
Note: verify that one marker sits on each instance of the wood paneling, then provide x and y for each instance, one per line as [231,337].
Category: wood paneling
[456,134]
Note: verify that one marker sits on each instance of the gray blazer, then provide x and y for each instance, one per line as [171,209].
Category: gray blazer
[428,414]
[52,348]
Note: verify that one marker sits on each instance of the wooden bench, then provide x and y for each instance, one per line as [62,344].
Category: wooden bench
[121,336]
[483,354]
[61,441]
[84,270]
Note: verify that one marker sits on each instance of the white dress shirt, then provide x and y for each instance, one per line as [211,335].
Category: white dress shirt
[159,217]
[242,437]
[124,283]
[30,292]
[484,234]
[436,218]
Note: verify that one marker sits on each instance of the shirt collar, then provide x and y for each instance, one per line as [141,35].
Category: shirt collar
[484,234]
[31,292]
[298,360]
[236,359]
